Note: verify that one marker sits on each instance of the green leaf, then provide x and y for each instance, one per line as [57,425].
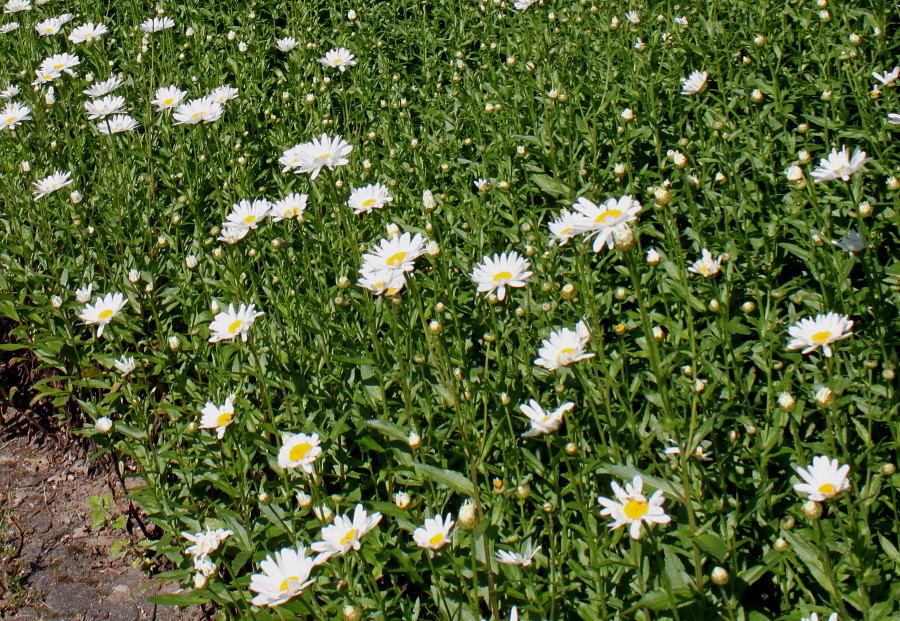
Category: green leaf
[179,599]
[713,545]
[452,479]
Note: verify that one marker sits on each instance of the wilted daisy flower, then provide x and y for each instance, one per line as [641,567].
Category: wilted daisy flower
[83,294]
[205,542]
[888,77]
[60,63]
[15,6]
[217,417]
[247,214]
[435,533]
[824,479]
[340,58]
[501,271]
[565,228]
[232,234]
[48,27]
[632,508]
[99,108]
[852,242]
[232,323]
[13,114]
[373,196]
[299,451]
[286,44]
[312,157]
[514,558]
[283,576]
[103,311]
[7,28]
[694,83]
[168,97]
[634,17]
[820,331]
[156,24]
[124,365]
[386,282]
[338,538]
[706,265]
[564,347]
[103,88]
[543,422]
[224,94]
[87,33]
[602,220]
[291,206]
[399,253]
[51,184]
[839,165]
[521,5]
[9,92]
[202,110]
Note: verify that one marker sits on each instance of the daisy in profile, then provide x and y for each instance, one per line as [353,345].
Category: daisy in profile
[119,124]
[565,227]
[824,479]
[224,94]
[202,110]
[206,542]
[372,196]
[104,106]
[232,234]
[7,28]
[543,422]
[312,157]
[339,58]
[286,44]
[514,558]
[283,576]
[157,24]
[888,77]
[15,6]
[231,323]
[564,347]
[83,294]
[839,165]
[247,214]
[820,331]
[60,63]
[124,365]
[291,206]
[699,453]
[9,92]
[706,266]
[299,451]
[48,27]
[435,533]
[382,282]
[103,88]
[103,311]
[217,417]
[51,184]
[168,97]
[13,114]
[600,221]
[632,508]
[694,83]
[399,253]
[344,534]
[44,76]
[87,33]
[501,271]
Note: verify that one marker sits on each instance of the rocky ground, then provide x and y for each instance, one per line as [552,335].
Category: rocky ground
[52,564]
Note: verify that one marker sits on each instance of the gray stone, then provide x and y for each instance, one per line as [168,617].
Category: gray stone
[70,597]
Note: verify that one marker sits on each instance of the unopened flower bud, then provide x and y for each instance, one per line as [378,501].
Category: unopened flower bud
[504,398]
[468,516]
[892,183]
[700,385]
[658,333]
[756,95]
[748,306]
[413,440]
[824,396]
[719,576]
[56,301]
[435,327]
[865,209]
[568,291]
[174,343]
[351,613]
[263,498]
[191,261]
[759,40]
[781,544]
[402,500]
[304,500]
[104,424]
[133,275]
[621,293]
[623,237]
[812,509]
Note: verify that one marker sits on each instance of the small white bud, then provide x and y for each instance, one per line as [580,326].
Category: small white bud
[402,500]
[104,424]
[133,275]
[191,261]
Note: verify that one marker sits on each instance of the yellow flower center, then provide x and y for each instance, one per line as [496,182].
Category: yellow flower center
[235,326]
[397,259]
[564,353]
[348,538]
[502,277]
[338,60]
[196,115]
[821,337]
[10,120]
[827,489]
[59,66]
[436,539]
[299,452]
[704,269]
[287,581]
[635,509]
[250,219]
[105,314]
[609,213]
[324,156]
[224,419]
[168,101]
[369,202]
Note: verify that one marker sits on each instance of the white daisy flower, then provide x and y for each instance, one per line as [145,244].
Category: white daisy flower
[543,422]
[48,27]
[706,265]
[888,77]
[232,233]
[87,33]
[372,196]
[564,347]
[13,114]
[104,106]
[247,214]
[600,221]
[103,311]
[839,165]
[312,157]
[124,365]
[514,558]
[157,24]
[824,479]
[339,58]
[232,323]
[820,331]
[283,576]
[168,97]
[299,451]
[217,417]
[103,88]
[9,92]
[893,118]
[118,124]
[291,206]
[521,5]
[501,271]
[60,63]
[632,508]
[7,28]
[435,533]
[387,282]
[286,44]
[205,542]
[202,110]
[83,295]
[51,184]
[565,228]
[344,534]
[15,6]
[399,253]
[224,94]
[694,83]
[853,242]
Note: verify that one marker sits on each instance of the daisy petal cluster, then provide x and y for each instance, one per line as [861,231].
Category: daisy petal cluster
[13,114]
[103,311]
[383,270]
[291,206]
[564,347]
[819,331]
[311,157]
[338,58]
[231,323]
[601,221]
[284,576]
[543,422]
[205,542]
[168,97]
[103,88]
[202,110]
[706,265]
[344,534]
[631,508]
[823,480]
[157,24]
[522,559]
[87,33]
[372,196]
[694,83]
[501,271]
[299,451]
[839,165]
[434,533]
[51,184]
[217,417]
